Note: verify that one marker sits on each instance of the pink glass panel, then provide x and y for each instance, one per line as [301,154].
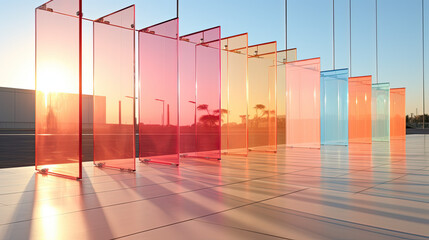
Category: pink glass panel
[114,134]
[206,86]
[303,103]
[283,57]
[158,94]
[360,127]
[234,95]
[262,108]
[58,84]
[187,98]
[397,113]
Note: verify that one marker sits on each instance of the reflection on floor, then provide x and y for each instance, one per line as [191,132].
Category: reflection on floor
[378,191]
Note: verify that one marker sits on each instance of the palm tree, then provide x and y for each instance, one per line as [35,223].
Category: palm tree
[203,107]
[243,118]
[259,107]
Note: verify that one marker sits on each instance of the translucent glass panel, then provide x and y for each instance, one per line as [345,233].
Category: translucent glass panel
[360,130]
[234,94]
[262,107]
[58,89]
[380,112]
[114,134]
[200,93]
[303,103]
[158,93]
[334,124]
[397,113]
[283,57]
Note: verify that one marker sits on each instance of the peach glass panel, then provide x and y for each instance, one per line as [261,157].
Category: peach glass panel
[283,57]
[234,94]
[262,106]
[114,134]
[303,103]
[397,113]
[158,93]
[360,92]
[58,82]
[201,89]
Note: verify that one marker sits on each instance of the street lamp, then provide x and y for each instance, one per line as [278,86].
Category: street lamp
[163,103]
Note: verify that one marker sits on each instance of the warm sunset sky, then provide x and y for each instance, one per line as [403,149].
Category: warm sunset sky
[310,30]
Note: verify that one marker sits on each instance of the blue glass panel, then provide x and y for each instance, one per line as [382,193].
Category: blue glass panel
[380,111]
[334,107]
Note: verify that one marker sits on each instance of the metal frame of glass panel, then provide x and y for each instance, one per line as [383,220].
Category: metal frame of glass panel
[380,112]
[234,89]
[360,124]
[58,80]
[397,113]
[262,104]
[283,56]
[200,90]
[334,107]
[114,90]
[159,93]
[303,103]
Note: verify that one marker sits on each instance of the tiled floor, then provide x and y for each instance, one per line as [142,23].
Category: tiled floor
[378,191]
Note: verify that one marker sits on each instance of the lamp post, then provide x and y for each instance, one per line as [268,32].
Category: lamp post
[134,110]
[195,111]
[163,103]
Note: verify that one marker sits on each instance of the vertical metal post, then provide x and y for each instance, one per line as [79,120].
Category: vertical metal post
[333,34]
[376,39]
[350,38]
[80,89]
[286,27]
[423,53]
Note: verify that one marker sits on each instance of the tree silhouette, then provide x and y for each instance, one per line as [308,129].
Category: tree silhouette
[243,118]
[204,107]
[259,107]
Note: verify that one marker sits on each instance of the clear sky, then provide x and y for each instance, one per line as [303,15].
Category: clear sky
[309,30]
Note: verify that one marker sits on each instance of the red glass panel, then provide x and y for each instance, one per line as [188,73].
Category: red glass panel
[114,101]
[58,88]
[283,57]
[201,90]
[234,95]
[158,94]
[360,127]
[397,113]
[303,103]
[262,108]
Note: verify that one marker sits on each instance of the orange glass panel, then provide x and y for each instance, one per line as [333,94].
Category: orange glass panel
[303,103]
[58,88]
[397,113]
[114,101]
[360,130]
[283,57]
[201,51]
[234,94]
[262,107]
[158,93]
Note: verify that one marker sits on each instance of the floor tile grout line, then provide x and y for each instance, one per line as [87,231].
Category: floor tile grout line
[140,200]
[378,185]
[137,187]
[207,215]
[335,219]
[391,197]
[107,191]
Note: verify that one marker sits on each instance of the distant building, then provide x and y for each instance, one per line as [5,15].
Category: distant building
[17,109]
